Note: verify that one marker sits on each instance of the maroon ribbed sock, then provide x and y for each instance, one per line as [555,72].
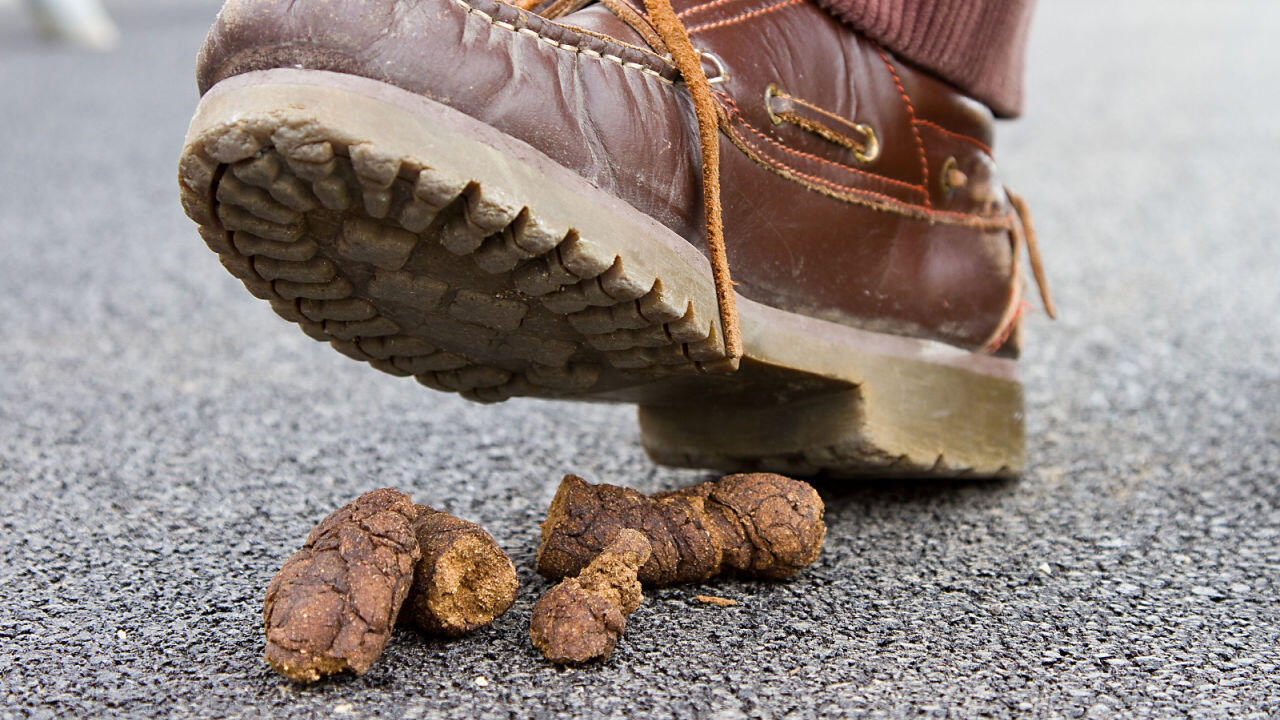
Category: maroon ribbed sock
[977,45]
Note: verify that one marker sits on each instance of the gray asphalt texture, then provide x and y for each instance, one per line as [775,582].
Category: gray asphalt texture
[166,442]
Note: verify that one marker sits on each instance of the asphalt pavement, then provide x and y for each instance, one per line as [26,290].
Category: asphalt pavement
[166,441]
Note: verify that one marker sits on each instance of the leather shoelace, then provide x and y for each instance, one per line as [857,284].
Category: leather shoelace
[1028,238]
[667,34]
[663,30]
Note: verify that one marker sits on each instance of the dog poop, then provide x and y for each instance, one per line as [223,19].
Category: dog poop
[333,604]
[582,618]
[756,525]
[463,580]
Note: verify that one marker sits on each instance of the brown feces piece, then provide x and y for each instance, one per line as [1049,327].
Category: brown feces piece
[582,618]
[757,525]
[463,580]
[333,604]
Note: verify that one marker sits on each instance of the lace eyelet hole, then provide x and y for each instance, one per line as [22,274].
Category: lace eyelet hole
[872,150]
[722,75]
[952,177]
[770,93]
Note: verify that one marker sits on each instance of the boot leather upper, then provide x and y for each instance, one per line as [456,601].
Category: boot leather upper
[917,241]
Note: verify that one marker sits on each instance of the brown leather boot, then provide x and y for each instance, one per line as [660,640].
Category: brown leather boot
[789,248]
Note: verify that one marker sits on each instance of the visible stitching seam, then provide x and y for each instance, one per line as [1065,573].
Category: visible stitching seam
[563,46]
[888,203]
[864,197]
[911,114]
[744,16]
[699,8]
[857,171]
[955,135]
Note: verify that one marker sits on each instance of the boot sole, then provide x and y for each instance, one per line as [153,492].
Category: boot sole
[427,244]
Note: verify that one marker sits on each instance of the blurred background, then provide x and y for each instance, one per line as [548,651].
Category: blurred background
[165,440]
[84,24]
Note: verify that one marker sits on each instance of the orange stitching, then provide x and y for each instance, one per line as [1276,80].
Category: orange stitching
[823,181]
[824,161]
[815,178]
[744,16]
[696,8]
[964,219]
[738,114]
[963,138]
[894,205]
[911,113]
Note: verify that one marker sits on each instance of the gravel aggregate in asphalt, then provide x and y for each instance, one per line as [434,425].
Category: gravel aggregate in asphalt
[166,441]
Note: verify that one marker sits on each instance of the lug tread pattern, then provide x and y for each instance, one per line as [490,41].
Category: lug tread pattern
[421,273]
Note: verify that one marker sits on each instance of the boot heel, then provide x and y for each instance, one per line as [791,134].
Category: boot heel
[902,417]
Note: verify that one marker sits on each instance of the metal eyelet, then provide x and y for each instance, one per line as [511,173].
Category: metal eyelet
[952,176]
[770,93]
[722,75]
[872,152]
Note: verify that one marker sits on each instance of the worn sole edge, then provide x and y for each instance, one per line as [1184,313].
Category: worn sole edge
[918,406]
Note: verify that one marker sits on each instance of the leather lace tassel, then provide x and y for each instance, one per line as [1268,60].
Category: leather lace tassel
[1028,234]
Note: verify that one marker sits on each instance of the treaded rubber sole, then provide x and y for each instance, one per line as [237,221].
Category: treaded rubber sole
[427,244]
